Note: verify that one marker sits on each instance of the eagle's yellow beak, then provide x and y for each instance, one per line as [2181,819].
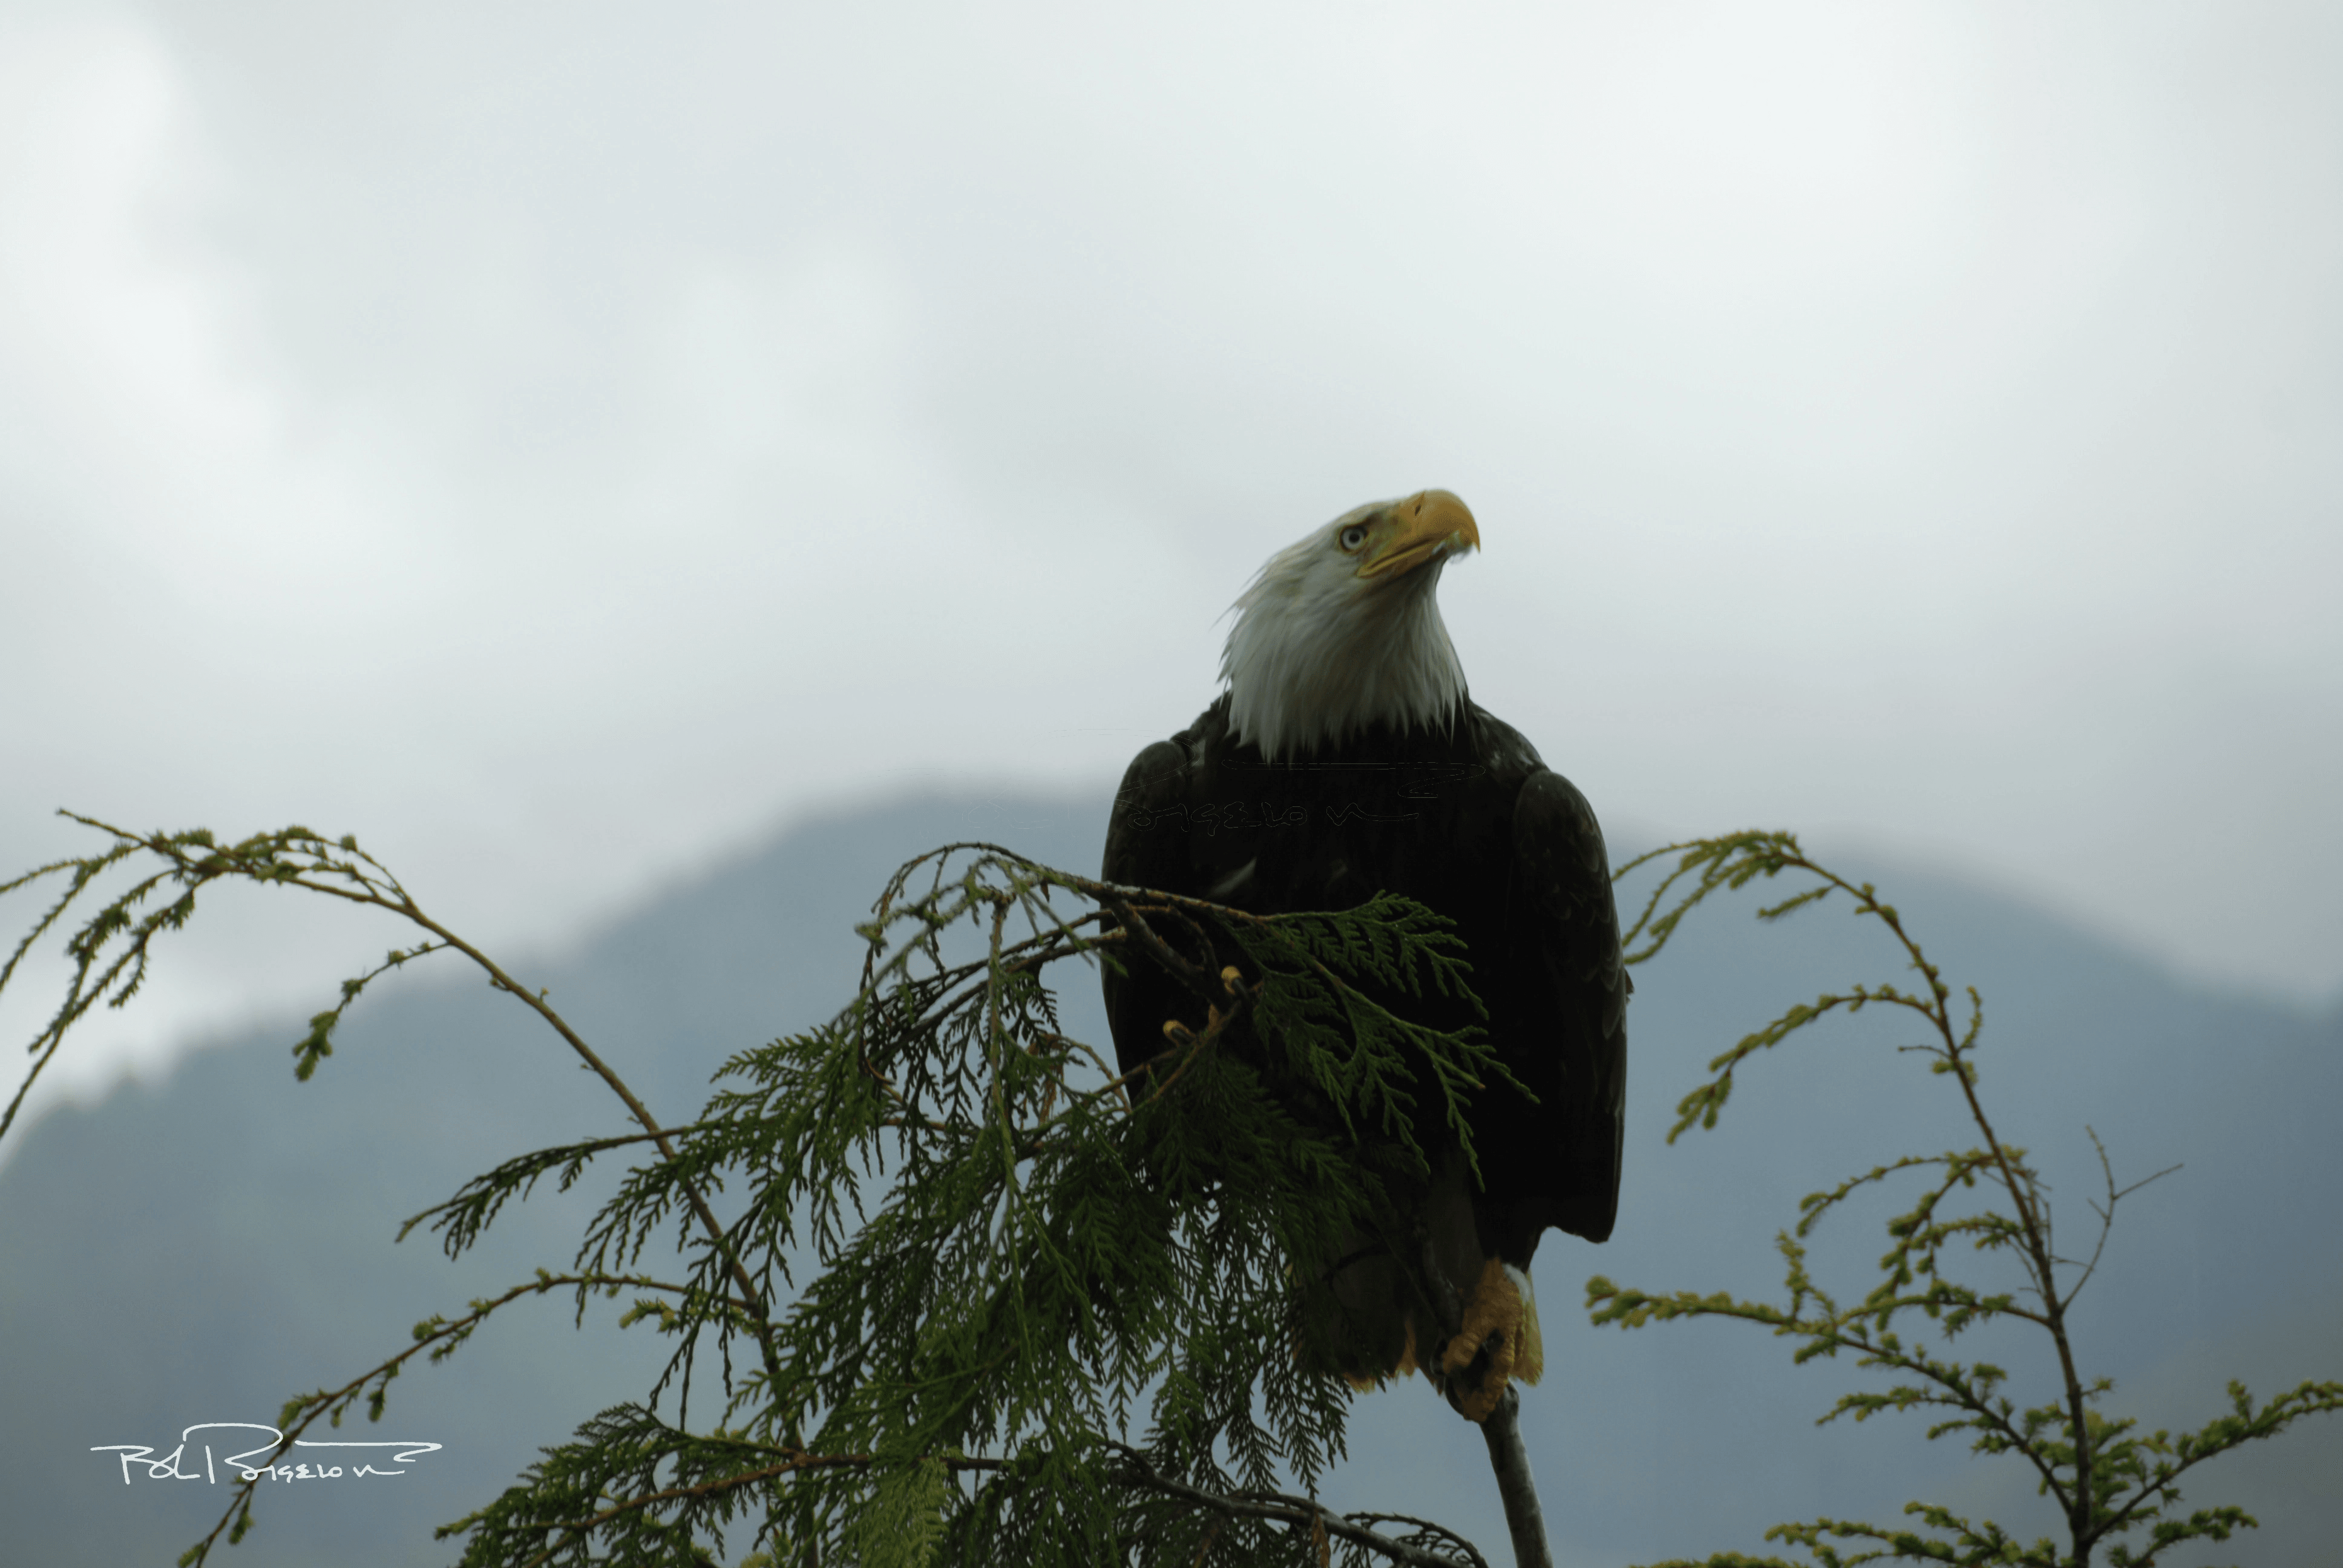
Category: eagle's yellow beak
[1426,525]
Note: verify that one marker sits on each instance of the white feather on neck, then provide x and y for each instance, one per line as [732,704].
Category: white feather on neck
[1318,654]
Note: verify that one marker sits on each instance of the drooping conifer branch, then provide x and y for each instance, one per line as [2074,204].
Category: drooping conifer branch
[2109,1480]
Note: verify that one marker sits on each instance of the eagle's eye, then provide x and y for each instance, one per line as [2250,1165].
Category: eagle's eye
[1353,536]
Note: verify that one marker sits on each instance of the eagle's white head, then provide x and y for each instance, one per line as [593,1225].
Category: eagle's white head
[1342,631]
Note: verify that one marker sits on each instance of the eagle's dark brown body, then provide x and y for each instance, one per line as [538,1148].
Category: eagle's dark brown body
[1462,817]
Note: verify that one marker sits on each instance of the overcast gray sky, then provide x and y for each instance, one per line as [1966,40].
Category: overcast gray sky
[559,442]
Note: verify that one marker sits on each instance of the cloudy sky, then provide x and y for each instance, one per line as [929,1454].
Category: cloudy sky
[561,443]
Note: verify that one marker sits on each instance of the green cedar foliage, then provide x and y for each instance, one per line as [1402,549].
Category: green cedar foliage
[2116,1488]
[977,1299]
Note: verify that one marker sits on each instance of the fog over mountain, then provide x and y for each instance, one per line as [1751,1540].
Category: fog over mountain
[199,1247]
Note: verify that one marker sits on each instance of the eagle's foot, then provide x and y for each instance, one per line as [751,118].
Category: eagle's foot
[1497,1341]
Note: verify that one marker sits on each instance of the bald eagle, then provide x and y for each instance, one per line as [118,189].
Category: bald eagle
[1346,757]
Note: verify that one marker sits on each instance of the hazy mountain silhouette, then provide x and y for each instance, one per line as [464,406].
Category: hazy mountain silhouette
[197,1249]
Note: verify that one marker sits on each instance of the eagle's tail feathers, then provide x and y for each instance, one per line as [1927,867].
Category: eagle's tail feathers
[1367,1382]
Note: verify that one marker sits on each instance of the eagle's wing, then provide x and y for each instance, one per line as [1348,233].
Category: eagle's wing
[1146,845]
[1573,983]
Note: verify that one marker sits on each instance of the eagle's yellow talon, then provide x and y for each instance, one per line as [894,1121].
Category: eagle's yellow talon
[1497,1319]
